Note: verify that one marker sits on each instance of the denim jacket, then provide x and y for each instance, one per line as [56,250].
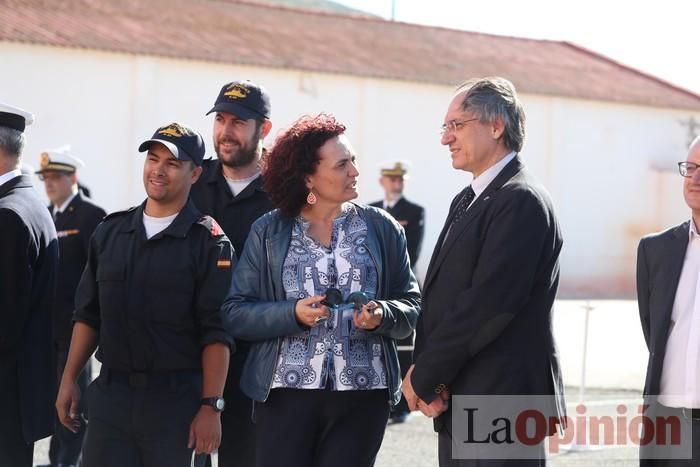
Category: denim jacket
[257,310]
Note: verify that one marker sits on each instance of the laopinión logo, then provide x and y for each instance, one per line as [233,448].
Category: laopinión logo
[529,427]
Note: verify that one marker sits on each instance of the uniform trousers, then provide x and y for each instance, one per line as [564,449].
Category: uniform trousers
[320,428]
[14,450]
[141,419]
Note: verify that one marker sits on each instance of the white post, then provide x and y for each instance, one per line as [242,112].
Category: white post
[574,446]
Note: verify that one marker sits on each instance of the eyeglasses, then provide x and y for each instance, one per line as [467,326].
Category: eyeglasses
[687,169]
[454,125]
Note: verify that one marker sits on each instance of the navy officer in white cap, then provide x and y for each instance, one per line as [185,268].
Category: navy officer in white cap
[29,252]
[75,217]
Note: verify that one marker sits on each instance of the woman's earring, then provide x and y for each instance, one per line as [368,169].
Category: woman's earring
[311,198]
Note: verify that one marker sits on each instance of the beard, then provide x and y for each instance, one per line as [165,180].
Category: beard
[243,155]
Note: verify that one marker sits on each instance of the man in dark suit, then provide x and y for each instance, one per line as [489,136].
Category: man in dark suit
[230,190]
[75,218]
[29,252]
[668,271]
[485,326]
[412,217]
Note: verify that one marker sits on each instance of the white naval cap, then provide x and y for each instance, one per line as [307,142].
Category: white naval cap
[14,117]
[395,168]
[60,159]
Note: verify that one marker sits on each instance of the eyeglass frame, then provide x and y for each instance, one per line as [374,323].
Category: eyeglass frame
[683,167]
[453,125]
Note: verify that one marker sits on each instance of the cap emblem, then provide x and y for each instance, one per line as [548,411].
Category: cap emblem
[237,91]
[44,160]
[174,130]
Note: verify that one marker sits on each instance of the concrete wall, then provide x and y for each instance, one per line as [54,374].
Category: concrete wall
[597,159]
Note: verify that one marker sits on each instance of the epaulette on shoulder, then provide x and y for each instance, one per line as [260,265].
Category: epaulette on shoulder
[211,225]
[116,214]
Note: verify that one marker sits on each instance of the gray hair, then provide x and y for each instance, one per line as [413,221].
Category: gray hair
[495,98]
[11,141]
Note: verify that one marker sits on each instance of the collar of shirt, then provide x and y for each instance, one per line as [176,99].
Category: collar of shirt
[480,183]
[692,231]
[187,216]
[237,186]
[66,203]
[345,209]
[389,204]
[6,177]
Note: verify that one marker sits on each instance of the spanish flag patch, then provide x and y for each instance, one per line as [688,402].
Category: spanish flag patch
[223,263]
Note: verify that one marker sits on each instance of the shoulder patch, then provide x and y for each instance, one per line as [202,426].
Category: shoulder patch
[211,225]
[112,215]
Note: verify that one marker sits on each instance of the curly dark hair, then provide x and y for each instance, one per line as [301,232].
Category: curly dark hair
[295,156]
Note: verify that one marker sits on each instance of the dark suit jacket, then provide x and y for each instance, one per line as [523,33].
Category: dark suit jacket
[412,217]
[29,252]
[74,228]
[659,263]
[485,328]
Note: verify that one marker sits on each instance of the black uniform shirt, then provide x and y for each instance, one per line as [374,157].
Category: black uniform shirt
[155,302]
[75,225]
[212,195]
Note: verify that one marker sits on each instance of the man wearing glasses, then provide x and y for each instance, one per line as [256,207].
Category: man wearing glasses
[485,326]
[668,274]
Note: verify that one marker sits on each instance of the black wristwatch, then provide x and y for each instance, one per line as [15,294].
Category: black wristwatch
[216,402]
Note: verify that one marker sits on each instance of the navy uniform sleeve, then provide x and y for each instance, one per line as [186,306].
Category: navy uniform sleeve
[87,304]
[215,282]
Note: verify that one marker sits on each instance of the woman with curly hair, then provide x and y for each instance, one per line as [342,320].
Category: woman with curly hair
[323,290]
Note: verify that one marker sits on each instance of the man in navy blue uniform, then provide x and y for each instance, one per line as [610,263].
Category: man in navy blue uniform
[75,217]
[230,190]
[29,252]
[149,299]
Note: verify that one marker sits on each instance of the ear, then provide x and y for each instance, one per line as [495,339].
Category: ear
[497,128]
[265,129]
[196,172]
[73,179]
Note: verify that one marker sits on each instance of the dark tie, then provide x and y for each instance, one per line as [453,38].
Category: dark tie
[57,216]
[461,208]
[462,205]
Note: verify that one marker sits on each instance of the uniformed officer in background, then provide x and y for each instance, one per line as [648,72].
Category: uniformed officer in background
[28,262]
[412,217]
[75,218]
[149,300]
[230,190]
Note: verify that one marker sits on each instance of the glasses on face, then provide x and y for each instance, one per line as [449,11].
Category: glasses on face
[454,125]
[687,169]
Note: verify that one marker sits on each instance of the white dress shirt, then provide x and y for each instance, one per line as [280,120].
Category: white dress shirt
[389,204]
[680,374]
[62,207]
[6,177]
[480,183]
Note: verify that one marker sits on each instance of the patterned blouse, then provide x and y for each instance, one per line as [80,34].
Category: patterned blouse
[334,354]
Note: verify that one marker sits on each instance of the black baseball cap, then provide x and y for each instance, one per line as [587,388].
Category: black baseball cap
[182,141]
[244,99]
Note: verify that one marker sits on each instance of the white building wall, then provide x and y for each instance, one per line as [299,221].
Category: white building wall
[597,159]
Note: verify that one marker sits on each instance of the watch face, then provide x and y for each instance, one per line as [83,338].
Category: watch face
[220,404]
